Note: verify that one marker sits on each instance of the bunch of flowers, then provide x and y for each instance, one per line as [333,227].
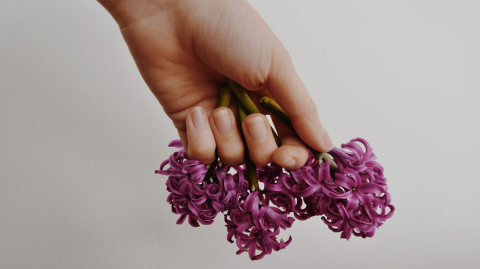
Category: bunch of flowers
[345,187]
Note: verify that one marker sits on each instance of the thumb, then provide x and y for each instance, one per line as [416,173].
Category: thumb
[290,93]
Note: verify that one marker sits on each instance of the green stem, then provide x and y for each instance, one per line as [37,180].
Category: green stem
[251,173]
[211,170]
[241,113]
[278,112]
[247,103]
[275,136]
[251,168]
[242,97]
[224,97]
[333,166]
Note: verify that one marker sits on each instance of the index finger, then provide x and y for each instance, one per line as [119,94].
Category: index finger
[289,91]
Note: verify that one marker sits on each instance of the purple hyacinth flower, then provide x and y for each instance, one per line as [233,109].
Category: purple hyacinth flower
[343,221]
[358,196]
[309,180]
[350,186]
[255,225]
[190,196]
[182,166]
[307,184]
[352,156]
[234,188]
[275,189]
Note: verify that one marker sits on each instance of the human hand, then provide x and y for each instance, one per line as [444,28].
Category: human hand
[186,49]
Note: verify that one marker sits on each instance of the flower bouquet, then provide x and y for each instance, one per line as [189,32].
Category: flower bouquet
[346,187]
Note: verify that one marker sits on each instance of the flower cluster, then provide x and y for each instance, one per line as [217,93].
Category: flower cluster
[360,202]
[190,196]
[351,197]
[255,226]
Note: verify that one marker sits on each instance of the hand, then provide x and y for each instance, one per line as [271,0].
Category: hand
[186,49]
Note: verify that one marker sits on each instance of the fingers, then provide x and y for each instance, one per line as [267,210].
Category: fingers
[293,153]
[227,137]
[201,143]
[220,131]
[259,138]
[290,92]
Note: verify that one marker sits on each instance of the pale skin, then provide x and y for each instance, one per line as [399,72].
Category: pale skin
[186,50]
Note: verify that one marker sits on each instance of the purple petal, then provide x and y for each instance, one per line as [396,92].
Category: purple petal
[176,144]
[344,181]
[371,188]
[181,219]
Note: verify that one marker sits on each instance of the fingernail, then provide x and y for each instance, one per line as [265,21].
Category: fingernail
[256,128]
[199,118]
[289,162]
[327,141]
[223,122]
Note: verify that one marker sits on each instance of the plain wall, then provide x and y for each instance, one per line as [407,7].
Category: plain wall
[81,137]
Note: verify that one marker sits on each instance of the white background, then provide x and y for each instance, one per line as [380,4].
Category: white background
[81,136]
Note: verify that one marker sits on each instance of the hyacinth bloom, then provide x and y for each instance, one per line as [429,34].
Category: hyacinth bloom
[352,199]
[181,166]
[352,156]
[345,222]
[275,189]
[309,183]
[309,180]
[358,194]
[234,188]
[299,191]
[189,195]
[255,227]
[350,186]
[347,188]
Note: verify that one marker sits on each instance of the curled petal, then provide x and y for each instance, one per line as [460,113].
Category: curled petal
[371,188]
[344,181]
[176,143]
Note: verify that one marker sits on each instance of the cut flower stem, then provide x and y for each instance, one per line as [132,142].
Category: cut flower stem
[250,166]
[224,97]
[242,97]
